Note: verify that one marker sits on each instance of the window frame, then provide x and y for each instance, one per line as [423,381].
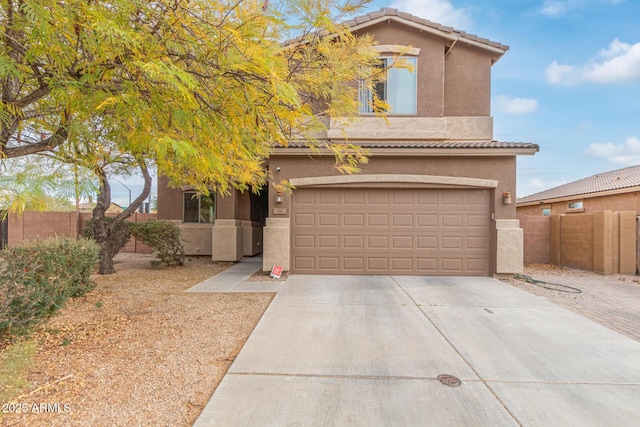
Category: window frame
[365,96]
[199,207]
[578,206]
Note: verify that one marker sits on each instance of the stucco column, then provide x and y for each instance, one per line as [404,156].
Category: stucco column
[227,239]
[277,243]
[603,242]
[510,249]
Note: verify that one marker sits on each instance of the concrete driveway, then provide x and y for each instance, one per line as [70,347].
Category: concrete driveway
[368,350]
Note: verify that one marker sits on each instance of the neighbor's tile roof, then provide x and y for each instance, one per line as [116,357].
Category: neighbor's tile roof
[412,18]
[437,144]
[607,181]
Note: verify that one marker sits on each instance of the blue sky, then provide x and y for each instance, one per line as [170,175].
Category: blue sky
[569,83]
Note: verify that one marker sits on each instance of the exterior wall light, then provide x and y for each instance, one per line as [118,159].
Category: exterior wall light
[506,198]
[279,197]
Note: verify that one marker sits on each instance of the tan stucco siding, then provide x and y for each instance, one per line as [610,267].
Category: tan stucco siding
[467,81]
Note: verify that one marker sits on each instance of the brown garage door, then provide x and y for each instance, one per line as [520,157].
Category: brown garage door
[390,231]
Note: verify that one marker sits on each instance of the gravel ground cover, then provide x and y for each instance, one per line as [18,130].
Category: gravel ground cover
[137,350]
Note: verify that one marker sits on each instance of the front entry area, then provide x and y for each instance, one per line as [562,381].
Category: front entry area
[412,231]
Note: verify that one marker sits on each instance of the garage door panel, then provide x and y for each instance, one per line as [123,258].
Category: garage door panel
[329,242]
[427,220]
[302,241]
[377,198]
[302,219]
[328,220]
[304,263]
[353,264]
[402,265]
[353,242]
[391,231]
[402,220]
[402,242]
[427,242]
[377,242]
[481,221]
[452,198]
[377,264]
[353,220]
[378,220]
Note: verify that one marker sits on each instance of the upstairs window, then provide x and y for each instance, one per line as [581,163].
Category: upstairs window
[198,208]
[399,90]
[546,211]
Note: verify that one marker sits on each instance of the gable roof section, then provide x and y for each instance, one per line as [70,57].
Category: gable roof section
[619,180]
[450,33]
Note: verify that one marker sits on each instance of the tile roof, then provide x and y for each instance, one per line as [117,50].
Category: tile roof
[390,12]
[613,180]
[437,144]
[394,13]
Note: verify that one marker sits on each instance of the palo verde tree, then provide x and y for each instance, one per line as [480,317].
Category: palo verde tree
[203,89]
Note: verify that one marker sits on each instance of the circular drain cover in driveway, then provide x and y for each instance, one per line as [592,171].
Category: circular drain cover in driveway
[449,380]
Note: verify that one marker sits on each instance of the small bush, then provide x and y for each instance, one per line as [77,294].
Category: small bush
[164,239]
[36,279]
[120,233]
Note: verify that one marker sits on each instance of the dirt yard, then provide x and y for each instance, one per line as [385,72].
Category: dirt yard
[137,350]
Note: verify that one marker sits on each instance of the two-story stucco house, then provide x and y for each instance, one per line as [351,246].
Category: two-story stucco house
[436,198]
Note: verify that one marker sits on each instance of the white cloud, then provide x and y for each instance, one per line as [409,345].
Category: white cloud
[557,8]
[440,11]
[516,105]
[626,154]
[561,74]
[619,63]
[560,8]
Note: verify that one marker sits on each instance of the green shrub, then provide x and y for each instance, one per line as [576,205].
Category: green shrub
[36,279]
[164,239]
[120,234]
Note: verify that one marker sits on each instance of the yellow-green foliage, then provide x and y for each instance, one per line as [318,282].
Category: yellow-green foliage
[205,89]
[15,361]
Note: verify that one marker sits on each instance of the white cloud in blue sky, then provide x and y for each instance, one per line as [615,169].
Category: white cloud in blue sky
[557,8]
[625,154]
[516,105]
[440,11]
[618,63]
[560,8]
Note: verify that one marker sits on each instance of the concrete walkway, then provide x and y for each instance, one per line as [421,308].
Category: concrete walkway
[234,279]
[368,350]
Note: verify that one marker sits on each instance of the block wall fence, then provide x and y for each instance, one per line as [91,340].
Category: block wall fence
[605,242]
[33,225]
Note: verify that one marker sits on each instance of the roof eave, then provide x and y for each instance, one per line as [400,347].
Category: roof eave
[449,35]
[546,201]
[405,151]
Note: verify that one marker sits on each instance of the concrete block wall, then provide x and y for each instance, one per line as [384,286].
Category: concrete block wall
[604,242]
[33,225]
[537,231]
[577,241]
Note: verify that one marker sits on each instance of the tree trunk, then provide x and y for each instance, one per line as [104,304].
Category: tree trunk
[105,233]
[106,259]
